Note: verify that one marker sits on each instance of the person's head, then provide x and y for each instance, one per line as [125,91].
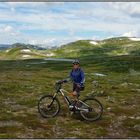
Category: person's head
[76,63]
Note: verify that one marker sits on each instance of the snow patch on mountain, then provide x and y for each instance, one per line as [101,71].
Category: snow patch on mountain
[25,51]
[134,39]
[50,54]
[93,42]
[7,50]
[26,56]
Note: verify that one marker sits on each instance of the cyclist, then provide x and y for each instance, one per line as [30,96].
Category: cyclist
[78,78]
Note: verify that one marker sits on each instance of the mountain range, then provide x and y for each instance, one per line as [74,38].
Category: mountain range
[81,48]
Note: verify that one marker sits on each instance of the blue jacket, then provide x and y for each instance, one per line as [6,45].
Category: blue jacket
[77,75]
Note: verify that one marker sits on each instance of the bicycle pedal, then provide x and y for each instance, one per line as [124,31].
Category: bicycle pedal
[71,108]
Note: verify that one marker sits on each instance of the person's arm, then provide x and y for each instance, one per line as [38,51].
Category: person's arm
[83,77]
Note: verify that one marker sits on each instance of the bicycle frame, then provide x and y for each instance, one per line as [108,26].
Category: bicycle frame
[62,91]
[67,99]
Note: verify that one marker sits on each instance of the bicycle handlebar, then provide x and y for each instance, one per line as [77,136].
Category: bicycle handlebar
[64,81]
[61,81]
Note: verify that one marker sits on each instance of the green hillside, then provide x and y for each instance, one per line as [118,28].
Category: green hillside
[22,51]
[107,47]
[81,48]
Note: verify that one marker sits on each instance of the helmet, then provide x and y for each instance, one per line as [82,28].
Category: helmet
[76,61]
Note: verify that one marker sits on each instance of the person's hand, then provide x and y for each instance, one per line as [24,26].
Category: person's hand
[59,82]
[64,81]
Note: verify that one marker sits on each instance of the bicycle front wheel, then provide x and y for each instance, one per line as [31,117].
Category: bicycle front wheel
[48,106]
[91,109]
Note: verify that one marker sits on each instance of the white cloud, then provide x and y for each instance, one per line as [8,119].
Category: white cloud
[129,8]
[109,18]
[48,41]
[8,29]
[130,34]
[9,34]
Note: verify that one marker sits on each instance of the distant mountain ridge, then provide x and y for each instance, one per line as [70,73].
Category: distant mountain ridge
[107,47]
[5,46]
[82,48]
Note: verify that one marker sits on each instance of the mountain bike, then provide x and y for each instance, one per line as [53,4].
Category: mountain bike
[49,106]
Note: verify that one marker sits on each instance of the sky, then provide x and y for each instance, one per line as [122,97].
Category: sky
[57,23]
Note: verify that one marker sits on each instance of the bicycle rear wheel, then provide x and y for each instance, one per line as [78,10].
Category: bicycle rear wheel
[92,109]
[48,106]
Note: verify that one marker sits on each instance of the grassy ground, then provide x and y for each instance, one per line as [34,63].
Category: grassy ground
[23,82]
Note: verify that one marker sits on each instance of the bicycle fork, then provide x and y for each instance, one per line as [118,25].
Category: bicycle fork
[52,100]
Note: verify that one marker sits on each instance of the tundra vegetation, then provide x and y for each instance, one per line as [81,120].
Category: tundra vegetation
[23,80]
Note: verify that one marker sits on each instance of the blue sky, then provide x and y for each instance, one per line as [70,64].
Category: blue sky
[56,23]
